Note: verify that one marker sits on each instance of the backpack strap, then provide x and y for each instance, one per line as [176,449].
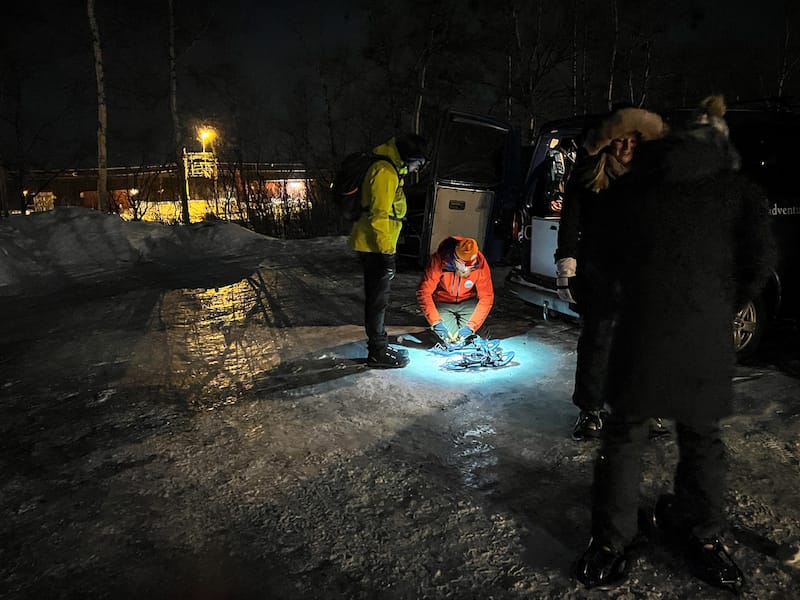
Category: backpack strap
[388,159]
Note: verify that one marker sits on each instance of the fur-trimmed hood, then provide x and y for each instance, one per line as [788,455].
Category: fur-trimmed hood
[647,124]
[700,151]
[685,156]
[711,112]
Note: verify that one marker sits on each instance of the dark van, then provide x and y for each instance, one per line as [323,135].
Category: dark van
[471,181]
[767,141]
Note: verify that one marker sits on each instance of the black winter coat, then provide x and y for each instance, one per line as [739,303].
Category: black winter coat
[586,215]
[694,244]
[587,220]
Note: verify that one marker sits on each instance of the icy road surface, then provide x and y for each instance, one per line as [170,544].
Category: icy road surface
[209,431]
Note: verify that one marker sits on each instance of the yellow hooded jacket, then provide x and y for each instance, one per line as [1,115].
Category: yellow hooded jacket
[382,196]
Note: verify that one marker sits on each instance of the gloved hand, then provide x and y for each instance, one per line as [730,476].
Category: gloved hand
[464,332]
[441,331]
[565,270]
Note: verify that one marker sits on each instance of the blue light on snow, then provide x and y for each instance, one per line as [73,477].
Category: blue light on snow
[532,360]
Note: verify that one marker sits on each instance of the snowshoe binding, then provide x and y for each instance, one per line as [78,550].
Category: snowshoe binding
[477,353]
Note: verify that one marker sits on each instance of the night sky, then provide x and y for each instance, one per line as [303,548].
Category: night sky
[256,70]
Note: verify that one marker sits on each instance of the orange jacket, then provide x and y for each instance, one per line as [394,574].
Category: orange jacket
[440,283]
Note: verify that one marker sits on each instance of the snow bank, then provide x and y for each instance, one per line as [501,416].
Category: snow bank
[44,252]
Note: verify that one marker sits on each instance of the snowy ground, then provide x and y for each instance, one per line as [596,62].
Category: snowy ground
[184,413]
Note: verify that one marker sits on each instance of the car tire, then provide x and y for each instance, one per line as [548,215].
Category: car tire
[748,327]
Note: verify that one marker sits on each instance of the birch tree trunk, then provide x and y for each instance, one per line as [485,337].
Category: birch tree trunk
[574,57]
[3,192]
[421,68]
[613,64]
[585,88]
[420,97]
[102,117]
[646,76]
[787,62]
[180,166]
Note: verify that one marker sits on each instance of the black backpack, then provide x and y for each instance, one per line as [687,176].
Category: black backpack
[347,182]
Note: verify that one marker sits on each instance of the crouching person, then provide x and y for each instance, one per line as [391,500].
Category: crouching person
[456,292]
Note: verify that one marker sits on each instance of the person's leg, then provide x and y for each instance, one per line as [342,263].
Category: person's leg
[693,518]
[594,346]
[615,489]
[378,273]
[700,478]
[455,315]
[449,313]
[615,503]
[463,311]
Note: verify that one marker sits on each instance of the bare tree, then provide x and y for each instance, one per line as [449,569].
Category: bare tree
[521,54]
[180,167]
[585,67]
[3,191]
[638,98]
[646,74]
[788,63]
[574,64]
[613,61]
[102,116]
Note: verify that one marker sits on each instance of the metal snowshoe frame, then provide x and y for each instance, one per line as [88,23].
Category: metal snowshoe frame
[473,353]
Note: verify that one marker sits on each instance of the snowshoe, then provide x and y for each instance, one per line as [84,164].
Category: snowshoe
[479,353]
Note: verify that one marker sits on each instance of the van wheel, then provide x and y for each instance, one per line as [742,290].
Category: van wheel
[748,327]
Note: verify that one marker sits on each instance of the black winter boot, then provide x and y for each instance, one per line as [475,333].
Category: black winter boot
[602,566]
[588,425]
[708,560]
[388,358]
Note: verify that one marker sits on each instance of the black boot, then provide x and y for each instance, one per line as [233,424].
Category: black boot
[709,561]
[602,566]
[387,358]
[588,425]
[707,558]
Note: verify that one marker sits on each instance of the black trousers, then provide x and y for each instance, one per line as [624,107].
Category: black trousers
[699,483]
[379,271]
[598,302]
[594,346]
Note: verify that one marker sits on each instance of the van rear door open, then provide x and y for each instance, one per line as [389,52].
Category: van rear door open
[468,181]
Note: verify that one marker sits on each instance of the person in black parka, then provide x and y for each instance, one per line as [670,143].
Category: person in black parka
[584,265]
[697,245]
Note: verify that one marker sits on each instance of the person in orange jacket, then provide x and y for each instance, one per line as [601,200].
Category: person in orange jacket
[456,291]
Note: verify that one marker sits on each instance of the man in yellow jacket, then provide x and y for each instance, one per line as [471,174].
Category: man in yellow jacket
[456,292]
[374,238]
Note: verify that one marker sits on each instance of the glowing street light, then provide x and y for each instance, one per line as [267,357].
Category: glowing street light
[206,134]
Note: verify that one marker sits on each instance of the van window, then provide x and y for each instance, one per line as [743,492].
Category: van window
[473,154]
[549,178]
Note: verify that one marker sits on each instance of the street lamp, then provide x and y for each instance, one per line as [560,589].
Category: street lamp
[206,135]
